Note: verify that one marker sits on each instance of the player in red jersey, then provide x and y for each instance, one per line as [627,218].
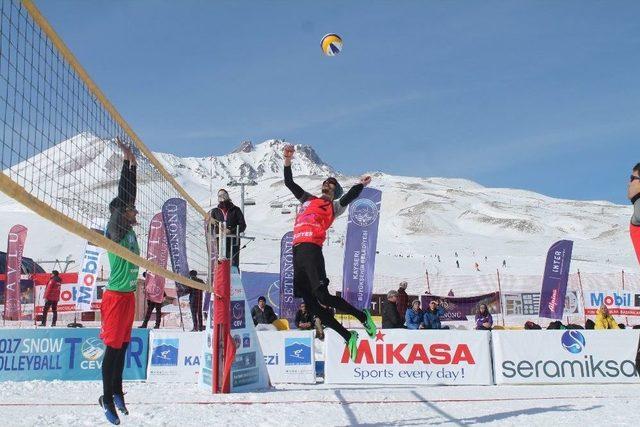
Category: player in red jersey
[309,233]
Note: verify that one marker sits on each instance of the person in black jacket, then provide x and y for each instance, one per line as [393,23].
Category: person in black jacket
[264,315]
[390,316]
[304,319]
[195,303]
[230,214]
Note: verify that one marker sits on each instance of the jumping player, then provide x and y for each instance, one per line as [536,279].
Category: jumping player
[309,233]
[118,300]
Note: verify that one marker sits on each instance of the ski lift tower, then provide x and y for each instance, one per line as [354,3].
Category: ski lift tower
[242,183]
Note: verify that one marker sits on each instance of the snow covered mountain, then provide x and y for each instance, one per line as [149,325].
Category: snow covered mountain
[421,217]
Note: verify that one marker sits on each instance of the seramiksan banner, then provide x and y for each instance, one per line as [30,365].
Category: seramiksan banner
[175,356]
[400,356]
[289,356]
[619,302]
[565,356]
[65,354]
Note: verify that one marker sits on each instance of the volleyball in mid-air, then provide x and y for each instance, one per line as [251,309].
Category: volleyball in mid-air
[331,44]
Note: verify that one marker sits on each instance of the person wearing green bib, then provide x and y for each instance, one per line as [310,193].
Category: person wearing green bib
[118,301]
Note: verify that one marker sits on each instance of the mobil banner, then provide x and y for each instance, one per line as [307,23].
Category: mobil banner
[565,356]
[69,294]
[87,277]
[175,356]
[619,302]
[65,354]
[289,356]
[400,356]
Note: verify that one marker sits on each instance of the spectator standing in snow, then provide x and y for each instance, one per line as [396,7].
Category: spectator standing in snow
[51,297]
[457,264]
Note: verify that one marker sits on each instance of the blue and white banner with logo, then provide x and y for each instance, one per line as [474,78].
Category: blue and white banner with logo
[360,248]
[248,372]
[289,356]
[175,356]
[65,354]
[554,282]
[565,356]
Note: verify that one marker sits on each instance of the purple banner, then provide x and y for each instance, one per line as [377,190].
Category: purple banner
[174,216]
[554,282]
[360,248]
[459,308]
[157,251]
[288,303]
[15,247]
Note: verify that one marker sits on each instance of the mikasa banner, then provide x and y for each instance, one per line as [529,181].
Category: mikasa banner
[565,356]
[400,356]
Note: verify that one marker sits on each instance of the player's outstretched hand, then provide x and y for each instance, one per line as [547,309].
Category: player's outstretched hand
[365,180]
[287,152]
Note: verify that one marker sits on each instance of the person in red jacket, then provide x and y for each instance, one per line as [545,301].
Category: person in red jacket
[51,298]
[310,280]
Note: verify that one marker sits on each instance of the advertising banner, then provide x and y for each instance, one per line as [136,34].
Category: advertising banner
[87,277]
[262,284]
[528,303]
[554,282]
[289,356]
[174,217]
[360,248]
[15,247]
[175,356]
[65,354]
[158,252]
[619,302]
[400,356]
[565,356]
[69,293]
[248,370]
[289,304]
[459,308]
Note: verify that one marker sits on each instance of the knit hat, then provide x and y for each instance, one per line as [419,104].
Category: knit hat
[392,294]
[338,191]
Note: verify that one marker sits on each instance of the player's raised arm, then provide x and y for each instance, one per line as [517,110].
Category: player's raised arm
[297,191]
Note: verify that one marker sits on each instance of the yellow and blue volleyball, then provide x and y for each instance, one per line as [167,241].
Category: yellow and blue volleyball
[331,44]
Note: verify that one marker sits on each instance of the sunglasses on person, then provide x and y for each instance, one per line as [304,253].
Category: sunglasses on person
[633,177]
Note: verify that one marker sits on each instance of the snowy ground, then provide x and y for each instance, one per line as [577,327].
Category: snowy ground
[74,403]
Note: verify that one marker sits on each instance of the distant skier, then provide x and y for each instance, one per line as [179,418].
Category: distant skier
[477,266]
[504,263]
[309,233]
[457,264]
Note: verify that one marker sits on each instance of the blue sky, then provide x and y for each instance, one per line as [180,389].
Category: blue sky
[540,95]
